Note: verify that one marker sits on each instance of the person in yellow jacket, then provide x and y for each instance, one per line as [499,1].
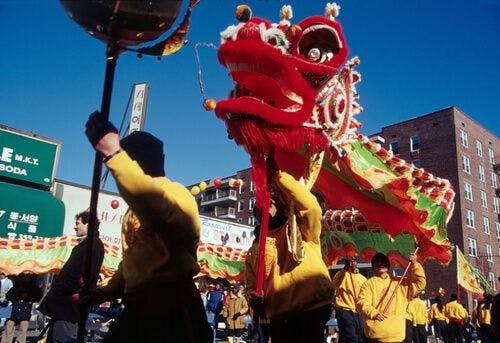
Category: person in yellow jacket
[298,294]
[234,311]
[418,314]
[456,315]
[438,319]
[160,236]
[389,325]
[347,283]
[483,318]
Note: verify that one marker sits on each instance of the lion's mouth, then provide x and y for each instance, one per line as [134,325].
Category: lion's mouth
[263,85]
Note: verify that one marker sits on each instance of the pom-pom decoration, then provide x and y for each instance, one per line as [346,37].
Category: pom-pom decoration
[243,13]
[209,104]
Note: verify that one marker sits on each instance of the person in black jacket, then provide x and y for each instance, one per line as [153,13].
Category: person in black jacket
[58,304]
[22,295]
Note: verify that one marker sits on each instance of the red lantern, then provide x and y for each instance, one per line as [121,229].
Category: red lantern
[217,182]
[114,204]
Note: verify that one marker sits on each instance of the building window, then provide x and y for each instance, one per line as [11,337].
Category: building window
[241,205]
[484,201]
[394,147]
[491,156]
[414,143]
[466,164]
[252,186]
[497,226]
[493,179]
[251,220]
[496,205]
[464,139]
[251,204]
[468,191]
[470,219]
[486,225]
[491,279]
[472,247]
[242,189]
[481,174]
[489,253]
[479,148]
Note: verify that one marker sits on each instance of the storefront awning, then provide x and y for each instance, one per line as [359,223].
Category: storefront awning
[29,213]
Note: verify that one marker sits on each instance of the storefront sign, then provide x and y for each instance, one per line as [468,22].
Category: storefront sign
[110,210]
[27,158]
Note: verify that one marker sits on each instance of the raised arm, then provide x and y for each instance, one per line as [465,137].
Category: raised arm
[306,205]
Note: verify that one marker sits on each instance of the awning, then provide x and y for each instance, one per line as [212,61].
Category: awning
[29,213]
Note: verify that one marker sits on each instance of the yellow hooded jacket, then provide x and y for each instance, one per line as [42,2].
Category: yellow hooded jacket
[347,289]
[289,286]
[454,311]
[375,294]
[434,313]
[417,311]
[160,231]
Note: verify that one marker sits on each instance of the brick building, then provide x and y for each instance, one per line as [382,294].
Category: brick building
[228,201]
[447,143]
[451,145]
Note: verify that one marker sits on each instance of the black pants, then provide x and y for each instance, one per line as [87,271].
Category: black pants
[454,332]
[350,326]
[439,328]
[408,331]
[484,333]
[419,334]
[186,325]
[303,327]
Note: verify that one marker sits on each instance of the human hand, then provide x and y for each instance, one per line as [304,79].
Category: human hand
[236,315]
[94,297]
[102,134]
[380,316]
[413,258]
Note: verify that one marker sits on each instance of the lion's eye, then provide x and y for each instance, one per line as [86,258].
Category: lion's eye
[319,53]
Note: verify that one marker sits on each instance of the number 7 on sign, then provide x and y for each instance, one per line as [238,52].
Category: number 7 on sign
[2,212]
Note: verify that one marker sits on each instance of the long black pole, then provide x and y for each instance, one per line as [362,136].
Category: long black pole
[111,56]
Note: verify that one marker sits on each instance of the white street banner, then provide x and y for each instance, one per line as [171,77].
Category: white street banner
[226,233]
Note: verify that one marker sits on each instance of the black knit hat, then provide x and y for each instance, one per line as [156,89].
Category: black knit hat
[147,151]
[381,258]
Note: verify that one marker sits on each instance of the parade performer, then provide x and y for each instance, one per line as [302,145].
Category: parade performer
[438,319]
[347,283]
[456,315]
[389,326]
[418,313]
[58,303]
[297,294]
[483,315]
[294,102]
[160,235]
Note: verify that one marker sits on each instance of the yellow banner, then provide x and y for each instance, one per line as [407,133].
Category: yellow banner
[465,275]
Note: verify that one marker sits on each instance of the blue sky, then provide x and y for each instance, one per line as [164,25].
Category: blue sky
[416,57]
